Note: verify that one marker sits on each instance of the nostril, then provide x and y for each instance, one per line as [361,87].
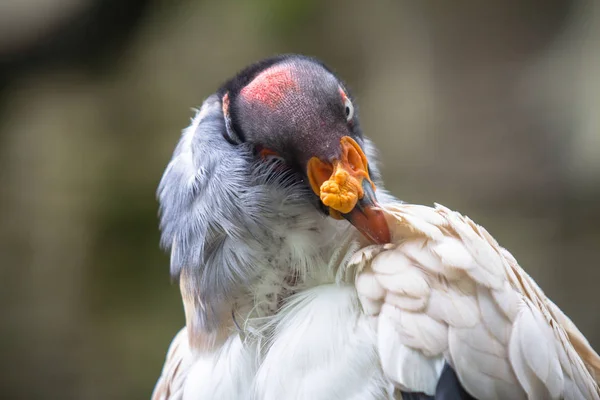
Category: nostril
[354,159]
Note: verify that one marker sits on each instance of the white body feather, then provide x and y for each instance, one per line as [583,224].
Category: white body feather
[444,291]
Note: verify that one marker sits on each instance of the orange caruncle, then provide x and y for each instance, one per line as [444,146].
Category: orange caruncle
[340,186]
[341,191]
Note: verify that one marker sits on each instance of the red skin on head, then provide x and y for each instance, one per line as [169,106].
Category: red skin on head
[270,86]
[344,97]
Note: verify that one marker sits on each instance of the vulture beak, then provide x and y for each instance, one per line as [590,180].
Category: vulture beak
[346,188]
[368,218]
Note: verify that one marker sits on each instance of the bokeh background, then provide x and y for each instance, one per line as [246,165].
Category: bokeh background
[490,108]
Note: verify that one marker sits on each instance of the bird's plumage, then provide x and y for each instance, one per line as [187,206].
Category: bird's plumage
[284,302]
[230,220]
[446,292]
[443,294]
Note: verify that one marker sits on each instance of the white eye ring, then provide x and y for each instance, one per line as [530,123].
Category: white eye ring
[349,109]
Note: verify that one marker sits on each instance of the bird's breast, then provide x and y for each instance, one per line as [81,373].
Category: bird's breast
[321,348]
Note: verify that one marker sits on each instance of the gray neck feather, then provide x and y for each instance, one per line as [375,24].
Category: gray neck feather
[230,222]
[226,218]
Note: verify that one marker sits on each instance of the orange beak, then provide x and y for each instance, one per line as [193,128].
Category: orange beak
[346,188]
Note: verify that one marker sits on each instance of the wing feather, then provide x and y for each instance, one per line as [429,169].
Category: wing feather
[493,317]
[527,349]
[484,372]
[444,290]
[454,307]
[408,368]
[418,330]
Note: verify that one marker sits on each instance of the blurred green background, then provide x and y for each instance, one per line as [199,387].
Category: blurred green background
[490,108]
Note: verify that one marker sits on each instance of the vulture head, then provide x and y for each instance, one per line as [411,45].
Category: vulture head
[295,109]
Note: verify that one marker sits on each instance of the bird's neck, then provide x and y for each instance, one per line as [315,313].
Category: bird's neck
[299,256]
[287,248]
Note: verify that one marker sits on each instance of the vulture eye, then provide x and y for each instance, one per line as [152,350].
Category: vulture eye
[349,109]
